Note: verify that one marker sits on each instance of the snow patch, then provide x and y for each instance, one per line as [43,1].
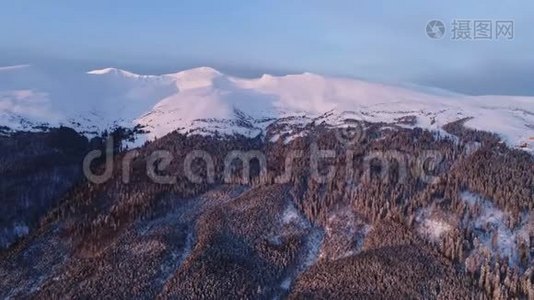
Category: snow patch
[435,228]
[493,234]
[292,216]
[433,223]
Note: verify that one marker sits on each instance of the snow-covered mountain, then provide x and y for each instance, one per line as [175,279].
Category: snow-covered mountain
[204,100]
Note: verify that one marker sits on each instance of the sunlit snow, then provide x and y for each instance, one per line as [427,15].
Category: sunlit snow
[204,100]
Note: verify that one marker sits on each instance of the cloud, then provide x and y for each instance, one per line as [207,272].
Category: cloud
[15,67]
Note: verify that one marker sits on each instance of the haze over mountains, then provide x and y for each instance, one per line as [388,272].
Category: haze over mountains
[204,100]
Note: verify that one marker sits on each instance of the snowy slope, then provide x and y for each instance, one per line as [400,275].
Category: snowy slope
[204,100]
[91,102]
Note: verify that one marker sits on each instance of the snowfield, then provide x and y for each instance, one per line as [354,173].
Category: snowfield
[204,100]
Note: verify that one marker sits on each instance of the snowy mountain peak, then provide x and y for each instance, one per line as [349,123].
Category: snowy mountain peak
[199,73]
[204,100]
[195,78]
[114,72]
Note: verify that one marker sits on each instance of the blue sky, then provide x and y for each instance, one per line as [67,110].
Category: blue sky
[377,40]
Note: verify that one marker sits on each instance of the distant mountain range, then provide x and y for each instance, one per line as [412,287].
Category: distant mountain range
[204,100]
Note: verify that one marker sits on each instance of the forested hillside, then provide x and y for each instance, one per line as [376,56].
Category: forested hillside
[393,213]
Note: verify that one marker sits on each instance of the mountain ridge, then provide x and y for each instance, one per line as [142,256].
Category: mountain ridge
[185,100]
